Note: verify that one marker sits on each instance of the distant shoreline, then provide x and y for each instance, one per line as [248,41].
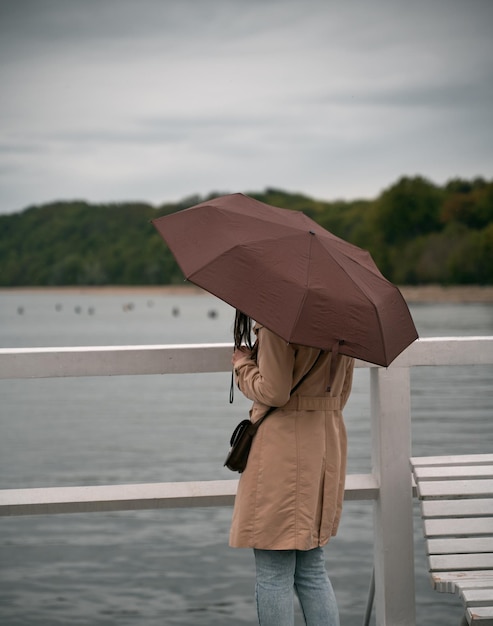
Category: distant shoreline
[412,294]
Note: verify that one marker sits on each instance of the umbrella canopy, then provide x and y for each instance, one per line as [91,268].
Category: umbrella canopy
[291,275]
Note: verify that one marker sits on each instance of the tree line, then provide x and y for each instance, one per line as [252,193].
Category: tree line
[417,232]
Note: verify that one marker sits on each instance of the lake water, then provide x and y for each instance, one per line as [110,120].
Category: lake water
[174,566]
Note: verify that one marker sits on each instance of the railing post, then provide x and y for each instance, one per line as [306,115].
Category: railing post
[393,524]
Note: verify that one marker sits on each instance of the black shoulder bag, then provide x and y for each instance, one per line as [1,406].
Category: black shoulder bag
[243,434]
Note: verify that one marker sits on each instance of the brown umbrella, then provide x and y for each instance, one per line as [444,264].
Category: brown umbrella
[291,275]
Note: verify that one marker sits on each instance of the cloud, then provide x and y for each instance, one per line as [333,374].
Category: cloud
[164,98]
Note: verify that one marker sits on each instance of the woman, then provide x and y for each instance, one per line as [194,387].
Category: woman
[289,498]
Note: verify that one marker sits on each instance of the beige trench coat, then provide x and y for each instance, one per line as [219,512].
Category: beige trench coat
[290,494]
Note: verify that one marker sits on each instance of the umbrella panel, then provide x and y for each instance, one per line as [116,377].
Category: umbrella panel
[285,271]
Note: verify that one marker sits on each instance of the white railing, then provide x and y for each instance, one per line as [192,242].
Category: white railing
[389,485]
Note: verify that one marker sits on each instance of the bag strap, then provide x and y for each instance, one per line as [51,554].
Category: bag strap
[255,425]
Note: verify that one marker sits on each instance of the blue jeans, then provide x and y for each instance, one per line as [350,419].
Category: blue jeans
[280,573]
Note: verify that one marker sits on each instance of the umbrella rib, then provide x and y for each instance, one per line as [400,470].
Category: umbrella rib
[307,280]
[362,291]
[375,309]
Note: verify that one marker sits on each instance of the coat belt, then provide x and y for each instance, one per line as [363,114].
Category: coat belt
[313,403]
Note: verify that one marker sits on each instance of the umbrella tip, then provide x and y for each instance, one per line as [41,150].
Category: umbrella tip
[311,232]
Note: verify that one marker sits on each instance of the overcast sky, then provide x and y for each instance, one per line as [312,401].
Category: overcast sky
[156,100]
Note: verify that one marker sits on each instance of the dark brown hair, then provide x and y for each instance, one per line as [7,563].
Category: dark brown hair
[242,330]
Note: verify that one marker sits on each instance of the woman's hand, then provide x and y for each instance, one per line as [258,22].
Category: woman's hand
[241,353]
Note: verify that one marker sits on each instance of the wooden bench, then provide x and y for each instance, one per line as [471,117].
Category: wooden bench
[456,497]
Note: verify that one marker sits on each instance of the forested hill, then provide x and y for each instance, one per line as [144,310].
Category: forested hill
[416,231]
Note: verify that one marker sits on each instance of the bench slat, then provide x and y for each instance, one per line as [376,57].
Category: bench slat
[441,472]
[448,582]
[459,562]
[457,508]
[477,583]
[480,616]
[458,459]
[455,488]
[458,527]
[477,597]
[463,545]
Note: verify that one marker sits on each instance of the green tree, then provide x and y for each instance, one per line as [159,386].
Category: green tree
[416,232]
[472,206]
[408,209]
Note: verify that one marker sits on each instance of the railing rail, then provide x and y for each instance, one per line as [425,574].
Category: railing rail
[389,485]
[132,497]
[195,358]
